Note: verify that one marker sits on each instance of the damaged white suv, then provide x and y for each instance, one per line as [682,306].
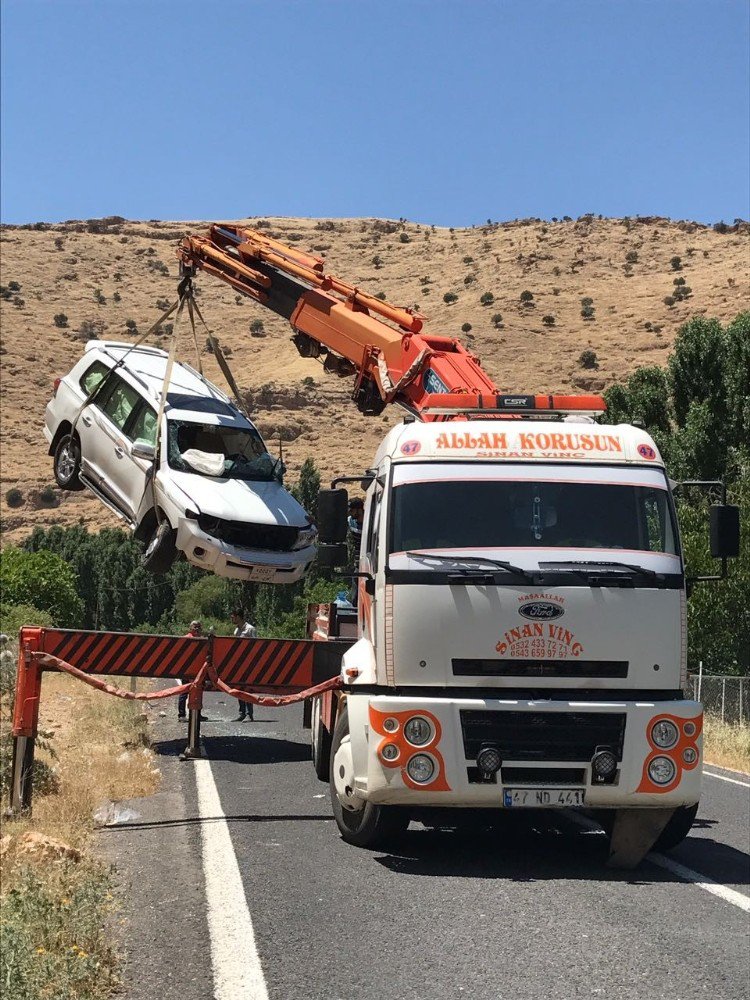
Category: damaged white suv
[214,493]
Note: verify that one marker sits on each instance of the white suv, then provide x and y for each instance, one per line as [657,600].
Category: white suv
[214,494]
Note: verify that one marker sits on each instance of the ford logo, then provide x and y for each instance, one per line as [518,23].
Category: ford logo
[541,611]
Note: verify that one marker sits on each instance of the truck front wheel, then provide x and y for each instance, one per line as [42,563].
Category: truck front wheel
[361,823]
[678,827]
[321,742]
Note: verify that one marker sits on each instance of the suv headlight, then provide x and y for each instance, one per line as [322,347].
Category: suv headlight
[305,536]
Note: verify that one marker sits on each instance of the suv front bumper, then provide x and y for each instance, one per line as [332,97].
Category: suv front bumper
[237,563]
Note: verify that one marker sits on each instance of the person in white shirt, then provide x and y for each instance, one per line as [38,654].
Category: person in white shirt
[243,630]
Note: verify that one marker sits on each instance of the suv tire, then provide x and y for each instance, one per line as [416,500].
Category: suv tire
[161,551]
[67,463]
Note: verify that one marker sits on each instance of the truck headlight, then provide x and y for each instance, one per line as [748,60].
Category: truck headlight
[420,768]
[418,731]
[661,770]
[305,536]
[389,751]
[664,734]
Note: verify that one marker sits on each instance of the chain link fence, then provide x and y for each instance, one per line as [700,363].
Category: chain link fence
[723,696]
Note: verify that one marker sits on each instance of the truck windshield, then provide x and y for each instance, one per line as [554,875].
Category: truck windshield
[501,513]
[220,451]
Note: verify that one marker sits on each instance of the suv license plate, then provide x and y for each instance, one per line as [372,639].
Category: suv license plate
[542,798]
[262,574]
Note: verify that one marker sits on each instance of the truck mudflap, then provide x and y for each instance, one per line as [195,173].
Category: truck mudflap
[503,754]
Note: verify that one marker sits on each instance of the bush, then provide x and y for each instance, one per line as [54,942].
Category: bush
[14,286]
[44,581]
[59,243]
[91,329]
[470,279]
[587,301]
[116,297]
[468,260]
[587,312]
[669,301]
[527,297]
[497,320]
[548,320]
[404,238]
[465,327]
[487,299]
[678,281]
[60,320]
[377,261]
[257,329]
[48,497]
[380,295]
[130,324]
[588,359]
[676,263]
[14,497]
[99,297]
[450,297]
[631,257]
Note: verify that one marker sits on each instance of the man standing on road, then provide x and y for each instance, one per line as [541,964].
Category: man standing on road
[243,630]
[194,631]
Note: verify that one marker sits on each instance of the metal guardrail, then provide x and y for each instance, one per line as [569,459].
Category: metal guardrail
[724,696]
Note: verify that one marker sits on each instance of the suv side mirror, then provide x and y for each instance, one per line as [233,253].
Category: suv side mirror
[142,449]
[724,531]
[333,508]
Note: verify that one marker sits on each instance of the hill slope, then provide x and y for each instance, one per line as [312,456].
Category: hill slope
[108,272]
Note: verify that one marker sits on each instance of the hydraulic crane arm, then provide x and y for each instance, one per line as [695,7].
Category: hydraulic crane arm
[382,345]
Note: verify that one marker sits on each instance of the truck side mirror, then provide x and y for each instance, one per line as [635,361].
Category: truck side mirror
[333,508]
[332,556]
[724,530]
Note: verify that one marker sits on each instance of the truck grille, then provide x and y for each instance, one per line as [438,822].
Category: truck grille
[269,537]
[540,668]
[542,735]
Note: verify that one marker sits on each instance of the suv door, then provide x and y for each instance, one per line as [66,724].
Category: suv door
[109,452]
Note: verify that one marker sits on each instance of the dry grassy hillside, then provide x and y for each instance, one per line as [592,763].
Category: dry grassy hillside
[103,274]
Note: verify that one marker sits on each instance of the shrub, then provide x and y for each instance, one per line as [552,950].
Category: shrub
[99,297]
[669,301]
[91,329]
[469,279]
[48,497]
[18,302]
[487,299]
[116,297]
[631,257]
[548,320]
[527,297]
[587,301]
[588,359]
[380,295]
[44,580]
[164,304]
[59,243]
[465,327]
[377,261]
[117,276]
[468,260]
[158,267]
[14,497]
[587,312]
[60,320]
[556,271]
[404,238]
[130,324]
[450,297]
[497,319]
[14,286]
[678,281]
[257,329]
[676,263]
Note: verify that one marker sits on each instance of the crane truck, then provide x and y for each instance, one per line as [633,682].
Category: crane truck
[519,638]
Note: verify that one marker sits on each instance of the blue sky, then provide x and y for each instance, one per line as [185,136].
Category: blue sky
[442,112]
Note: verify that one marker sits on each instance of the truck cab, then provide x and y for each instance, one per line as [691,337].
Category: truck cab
[521,633]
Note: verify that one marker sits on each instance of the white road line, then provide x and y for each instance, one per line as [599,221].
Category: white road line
[702,881]
[738,899]
[723,777]
[238,974]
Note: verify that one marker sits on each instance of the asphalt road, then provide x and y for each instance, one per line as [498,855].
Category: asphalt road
[529,912]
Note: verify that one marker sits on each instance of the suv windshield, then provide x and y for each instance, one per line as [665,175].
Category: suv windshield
[220,451]
[480,514]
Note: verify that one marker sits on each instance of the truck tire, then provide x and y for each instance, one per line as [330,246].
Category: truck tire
[372,826]
[321,741]
[161,551]
[678,827]
[67,463]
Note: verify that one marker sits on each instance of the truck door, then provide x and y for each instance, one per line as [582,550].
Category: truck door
[368,563]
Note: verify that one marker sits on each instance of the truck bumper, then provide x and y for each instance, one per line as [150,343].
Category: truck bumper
[544,746]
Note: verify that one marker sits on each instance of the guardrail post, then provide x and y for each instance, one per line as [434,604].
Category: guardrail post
[25,720]
[195,707]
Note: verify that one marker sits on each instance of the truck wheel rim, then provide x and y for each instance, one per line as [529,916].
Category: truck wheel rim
[343,777]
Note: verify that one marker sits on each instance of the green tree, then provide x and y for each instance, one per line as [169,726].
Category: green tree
[307,488]
[43,580]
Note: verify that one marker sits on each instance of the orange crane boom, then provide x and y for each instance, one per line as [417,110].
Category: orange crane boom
[382,345]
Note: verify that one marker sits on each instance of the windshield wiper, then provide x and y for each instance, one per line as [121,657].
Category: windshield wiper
[473,561]
[593,566]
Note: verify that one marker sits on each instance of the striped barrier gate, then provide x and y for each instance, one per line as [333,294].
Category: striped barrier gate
[265,671]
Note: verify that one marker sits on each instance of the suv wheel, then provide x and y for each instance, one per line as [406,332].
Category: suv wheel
[67,463]
[161,551]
